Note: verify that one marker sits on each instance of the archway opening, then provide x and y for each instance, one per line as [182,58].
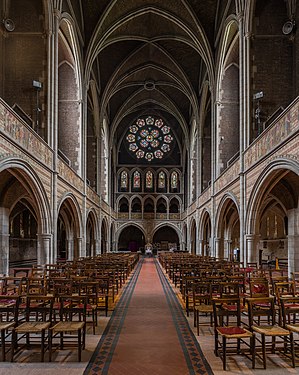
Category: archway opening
[193,237]
[104,237]
[275,224]
[61,240]
[90,236]
[206,235]
[23,235]
[131,238]
[166,238]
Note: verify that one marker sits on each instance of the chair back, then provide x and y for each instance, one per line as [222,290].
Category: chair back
[259,307]
[39,308]
[289,310]
[259,288]
[225,308]
[73,308]
[9,308]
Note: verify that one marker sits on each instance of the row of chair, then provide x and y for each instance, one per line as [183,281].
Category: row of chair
[251,310]
[51,305]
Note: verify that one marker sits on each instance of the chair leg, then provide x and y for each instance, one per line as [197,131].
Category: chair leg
[224,352]
[3,344]
[79,345]
[61,340]
[252,344]
[292,349]
[264,350]
[273,345]
[216,344]
[42,346]
[50,345]
[13,344]
[84,336]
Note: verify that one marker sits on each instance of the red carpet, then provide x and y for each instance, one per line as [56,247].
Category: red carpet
[148,334]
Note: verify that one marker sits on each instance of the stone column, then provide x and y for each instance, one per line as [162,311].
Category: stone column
[4,240]
[81,251]
[227,249]
[43,248]
[97,247]
[200,247]
[70,249]
[251,251]
[217,247]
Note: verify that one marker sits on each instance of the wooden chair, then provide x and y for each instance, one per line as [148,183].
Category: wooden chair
[232,339]
[103,296]
[284,289]
[202,302]
[8,319]
[39,310]
[263,307]
[295,278]
[71,329]
[90,289]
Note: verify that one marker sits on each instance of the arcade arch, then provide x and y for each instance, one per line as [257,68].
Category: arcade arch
[130,238]
[104,236]
[69,238]
[25,216]
[166,237]
[205,234]
[272,221]
[91,234]
[228,229]
[193,236]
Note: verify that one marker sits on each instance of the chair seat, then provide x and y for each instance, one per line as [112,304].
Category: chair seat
[292,305]
[204,308]
[271,330]
[293,327]
[234,307]
[68,326]
[6,325]
[33,327]
[234,332]
[57,305]
[33,305]
[7,303]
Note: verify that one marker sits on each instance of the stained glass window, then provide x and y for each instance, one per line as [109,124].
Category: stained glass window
[124,180]
[161,180]
[136,179]
[149,138]
[149,180]
[174,180]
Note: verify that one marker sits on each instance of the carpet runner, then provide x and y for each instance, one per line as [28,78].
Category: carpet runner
[148,333]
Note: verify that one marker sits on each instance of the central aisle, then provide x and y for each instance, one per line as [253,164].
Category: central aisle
[149,334]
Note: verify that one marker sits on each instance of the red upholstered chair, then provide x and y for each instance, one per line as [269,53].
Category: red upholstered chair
[232,339]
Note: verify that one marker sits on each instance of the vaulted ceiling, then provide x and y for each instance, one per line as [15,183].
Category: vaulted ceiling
[149,57]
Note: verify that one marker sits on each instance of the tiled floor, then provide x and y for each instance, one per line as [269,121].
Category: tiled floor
[65,362]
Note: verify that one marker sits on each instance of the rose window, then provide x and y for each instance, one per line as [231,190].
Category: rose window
[149,138]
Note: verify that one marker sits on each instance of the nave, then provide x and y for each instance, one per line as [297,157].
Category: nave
[147,333]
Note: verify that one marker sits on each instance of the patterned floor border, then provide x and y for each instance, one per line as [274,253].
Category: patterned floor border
[102,356]
[195,359]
